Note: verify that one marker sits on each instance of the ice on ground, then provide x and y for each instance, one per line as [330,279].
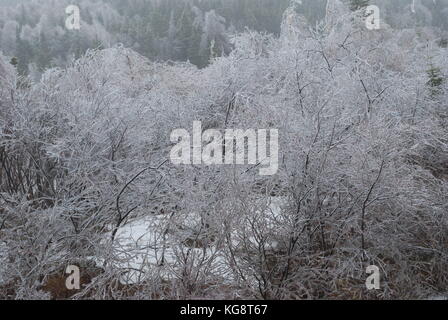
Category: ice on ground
[157,243]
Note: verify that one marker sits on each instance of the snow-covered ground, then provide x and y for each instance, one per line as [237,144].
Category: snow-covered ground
[159,242]
[146,244]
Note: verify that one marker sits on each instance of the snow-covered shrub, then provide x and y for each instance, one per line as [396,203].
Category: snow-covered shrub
[86,177]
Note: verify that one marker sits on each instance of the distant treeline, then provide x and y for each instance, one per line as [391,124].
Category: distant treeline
[180,30]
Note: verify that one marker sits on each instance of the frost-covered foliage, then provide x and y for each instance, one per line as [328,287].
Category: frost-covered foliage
[85,176]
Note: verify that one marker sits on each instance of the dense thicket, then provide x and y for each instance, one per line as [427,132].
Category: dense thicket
[85,176]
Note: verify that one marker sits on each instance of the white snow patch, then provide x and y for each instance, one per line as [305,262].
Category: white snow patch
[146,245]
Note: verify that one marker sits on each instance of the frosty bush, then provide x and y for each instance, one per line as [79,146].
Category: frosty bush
[362,178]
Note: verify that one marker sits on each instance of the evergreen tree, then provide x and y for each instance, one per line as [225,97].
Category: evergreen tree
[14,62]
[24,54]
[43,54]
[358,4]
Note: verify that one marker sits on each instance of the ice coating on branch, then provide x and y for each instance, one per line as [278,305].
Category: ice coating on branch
[293,25]
[334,12]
